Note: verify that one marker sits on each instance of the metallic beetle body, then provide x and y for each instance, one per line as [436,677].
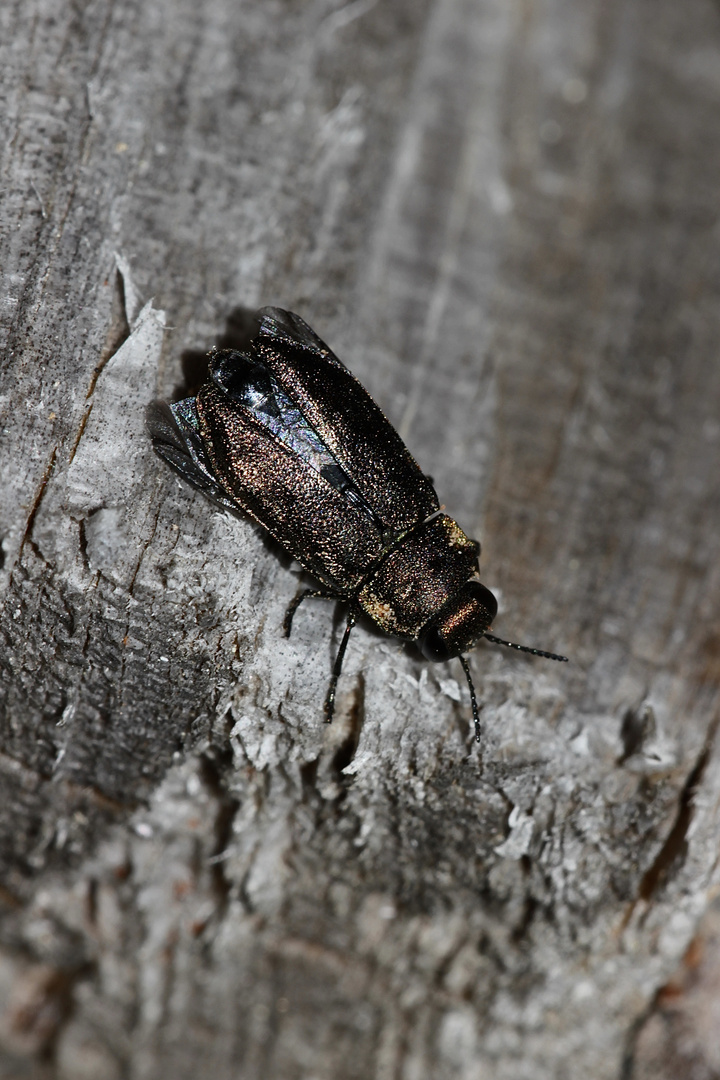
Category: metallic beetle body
[286,434]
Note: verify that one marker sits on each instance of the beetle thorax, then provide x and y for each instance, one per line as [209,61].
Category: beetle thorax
[414,581]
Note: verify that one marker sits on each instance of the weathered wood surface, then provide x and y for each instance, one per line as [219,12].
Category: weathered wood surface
[503,216]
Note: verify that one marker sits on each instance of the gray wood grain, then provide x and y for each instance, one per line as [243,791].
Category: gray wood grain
[503,217]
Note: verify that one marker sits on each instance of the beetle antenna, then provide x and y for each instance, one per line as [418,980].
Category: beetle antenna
[525,648]
[473,699]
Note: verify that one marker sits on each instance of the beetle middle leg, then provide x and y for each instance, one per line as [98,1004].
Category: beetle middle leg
[321,594]
[337,666]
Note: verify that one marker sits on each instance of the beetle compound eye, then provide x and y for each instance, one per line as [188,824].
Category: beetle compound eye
[434,646]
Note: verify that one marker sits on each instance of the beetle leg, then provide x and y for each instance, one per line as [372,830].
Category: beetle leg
[337,667]
[473,699]
[322,594]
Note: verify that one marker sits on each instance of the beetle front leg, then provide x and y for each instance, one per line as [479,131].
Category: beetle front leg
[473,699]
[294,604]
[337,667]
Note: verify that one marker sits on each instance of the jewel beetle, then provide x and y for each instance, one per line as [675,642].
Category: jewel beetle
[284,433]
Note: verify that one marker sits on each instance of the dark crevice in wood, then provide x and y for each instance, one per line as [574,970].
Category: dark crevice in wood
[212,768]
[91,901]
[82,544]
[79,433]
[627,1062]
[27,535]
[673,852]
[638,726]
[308,776]
[347,749]
[118,332]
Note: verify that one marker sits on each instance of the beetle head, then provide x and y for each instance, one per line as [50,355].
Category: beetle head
[459,623]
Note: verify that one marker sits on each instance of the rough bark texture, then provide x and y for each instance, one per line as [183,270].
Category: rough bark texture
[504,217]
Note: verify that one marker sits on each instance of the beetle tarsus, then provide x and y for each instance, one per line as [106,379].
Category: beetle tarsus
[337,667]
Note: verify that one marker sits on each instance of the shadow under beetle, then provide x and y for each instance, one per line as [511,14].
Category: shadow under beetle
[286,434]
